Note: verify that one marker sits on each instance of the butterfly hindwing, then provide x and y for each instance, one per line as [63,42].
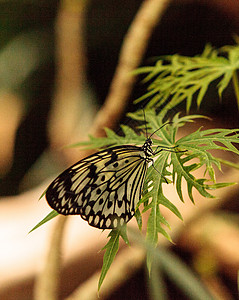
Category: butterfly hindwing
[104,188]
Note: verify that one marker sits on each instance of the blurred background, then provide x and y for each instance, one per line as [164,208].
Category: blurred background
[57,61]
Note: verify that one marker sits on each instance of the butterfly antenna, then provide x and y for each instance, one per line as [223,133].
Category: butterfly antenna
[145,123]
[160,128]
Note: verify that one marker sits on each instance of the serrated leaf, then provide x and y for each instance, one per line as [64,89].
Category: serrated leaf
[183,78]
[198,143]
[111,248]
[165,202]
[153,225]
[228,163]
[220,185]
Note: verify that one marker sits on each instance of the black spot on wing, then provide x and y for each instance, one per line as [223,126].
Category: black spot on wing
[92,171]
[113,157]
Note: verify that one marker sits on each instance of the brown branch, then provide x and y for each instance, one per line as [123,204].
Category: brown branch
[70,76]
[46,286]
[132,51]
[11,112]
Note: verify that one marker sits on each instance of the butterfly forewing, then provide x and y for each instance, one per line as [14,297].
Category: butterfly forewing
[104,188]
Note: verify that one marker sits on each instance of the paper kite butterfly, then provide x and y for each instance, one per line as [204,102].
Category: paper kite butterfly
[103,188]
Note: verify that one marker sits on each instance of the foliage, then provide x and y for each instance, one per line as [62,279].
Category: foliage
[177,78]
[180,154]
[180,78]
[50,216]
[111,249]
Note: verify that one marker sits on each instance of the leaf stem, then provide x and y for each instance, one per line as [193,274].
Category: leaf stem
[236,86]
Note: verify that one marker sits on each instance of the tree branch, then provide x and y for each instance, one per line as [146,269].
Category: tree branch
[131,54]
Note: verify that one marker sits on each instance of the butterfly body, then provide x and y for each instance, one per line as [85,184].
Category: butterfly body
[103,188]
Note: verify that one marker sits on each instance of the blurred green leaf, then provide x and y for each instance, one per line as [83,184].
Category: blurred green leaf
[22,56]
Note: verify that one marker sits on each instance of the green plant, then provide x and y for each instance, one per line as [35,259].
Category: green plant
[177,78]
[174,80]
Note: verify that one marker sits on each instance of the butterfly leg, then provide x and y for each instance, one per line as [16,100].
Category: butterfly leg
[166,180]
[167,149]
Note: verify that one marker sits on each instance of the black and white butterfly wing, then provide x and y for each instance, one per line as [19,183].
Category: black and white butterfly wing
[103,188]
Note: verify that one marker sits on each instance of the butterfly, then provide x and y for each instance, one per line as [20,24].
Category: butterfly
[103,188]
